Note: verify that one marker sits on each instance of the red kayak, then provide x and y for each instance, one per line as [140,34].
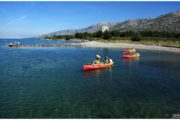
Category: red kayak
[127,50]
[131,56]
[95,67]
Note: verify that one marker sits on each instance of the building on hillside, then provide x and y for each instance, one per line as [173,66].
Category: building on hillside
[104,28]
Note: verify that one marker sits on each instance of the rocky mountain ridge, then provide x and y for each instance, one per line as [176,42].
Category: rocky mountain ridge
[165,23]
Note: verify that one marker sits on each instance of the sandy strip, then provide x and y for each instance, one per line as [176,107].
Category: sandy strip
[127,45]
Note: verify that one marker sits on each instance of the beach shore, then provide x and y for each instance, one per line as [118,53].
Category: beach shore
[96,44]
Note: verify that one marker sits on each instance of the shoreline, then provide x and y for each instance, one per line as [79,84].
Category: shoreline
[100,44]
[96,44]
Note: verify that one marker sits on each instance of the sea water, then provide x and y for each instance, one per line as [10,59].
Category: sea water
[50,83]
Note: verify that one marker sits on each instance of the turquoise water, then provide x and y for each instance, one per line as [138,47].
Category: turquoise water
[35,41]
[50,83]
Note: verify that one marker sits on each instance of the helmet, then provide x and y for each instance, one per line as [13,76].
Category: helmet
[98,56]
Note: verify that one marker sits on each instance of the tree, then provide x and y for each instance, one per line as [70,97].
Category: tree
[107,35]
[136,37]
[78,35]
[67,37]
[115,33]
[98,34]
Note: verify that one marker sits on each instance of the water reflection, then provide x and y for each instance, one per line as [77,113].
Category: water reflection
[109,73]
[131,62]
[98,74]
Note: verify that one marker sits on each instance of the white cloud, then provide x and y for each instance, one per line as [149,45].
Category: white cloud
[22,17]
[17,19]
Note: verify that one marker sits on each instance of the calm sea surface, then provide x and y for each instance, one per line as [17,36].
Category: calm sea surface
[50,83]
[35,41]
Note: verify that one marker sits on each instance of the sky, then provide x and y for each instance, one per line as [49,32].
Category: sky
[28,19]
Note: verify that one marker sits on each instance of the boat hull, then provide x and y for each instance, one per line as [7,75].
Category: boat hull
[96,67]
[130,56]
[127,50]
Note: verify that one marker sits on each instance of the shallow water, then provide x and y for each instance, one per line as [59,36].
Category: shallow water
[36,41]
[50,83]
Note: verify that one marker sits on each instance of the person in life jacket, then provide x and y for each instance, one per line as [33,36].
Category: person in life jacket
[97,61]
[132,50]
[107,61]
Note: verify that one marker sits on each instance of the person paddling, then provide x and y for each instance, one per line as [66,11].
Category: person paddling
[107,60]
[97,61]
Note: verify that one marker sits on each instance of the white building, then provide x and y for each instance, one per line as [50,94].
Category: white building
[104,28]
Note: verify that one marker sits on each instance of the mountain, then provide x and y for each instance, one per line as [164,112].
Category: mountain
[165,23]
[91,29]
